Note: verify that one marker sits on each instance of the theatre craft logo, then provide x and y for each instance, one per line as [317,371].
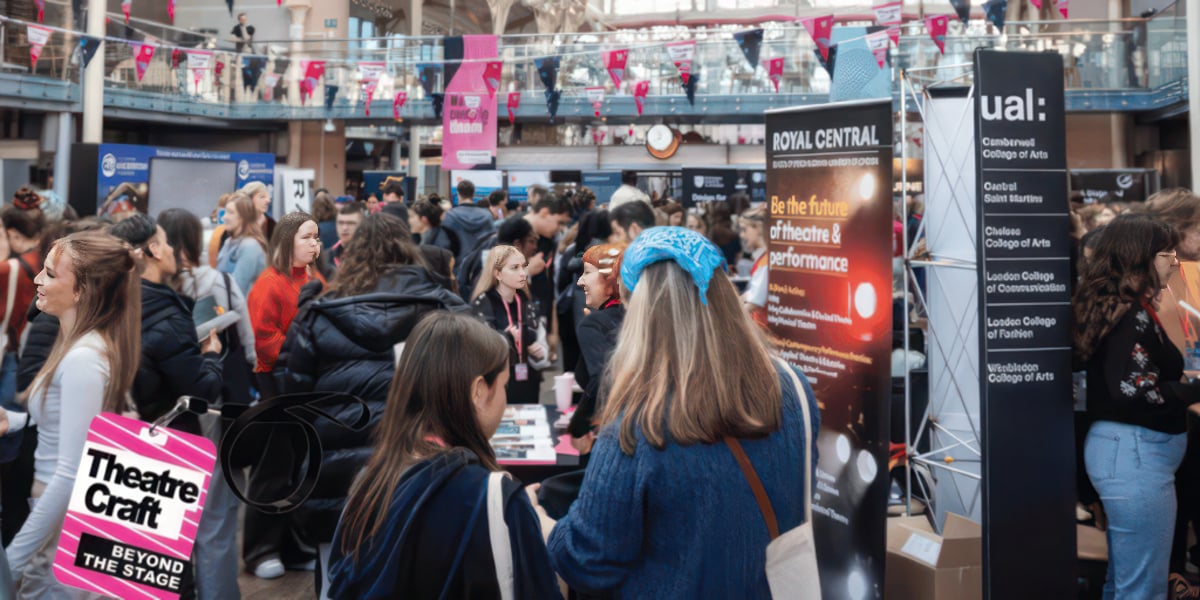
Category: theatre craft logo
[134,509]
[108,165]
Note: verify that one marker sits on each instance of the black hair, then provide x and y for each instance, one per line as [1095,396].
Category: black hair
[28,223]
[353,208]
[393,187]
[629,178]
[593,225]
[183,231]
[497,198]
[138,230]
[432,212]
[633,212]
[396,209]
[514,229]
[555,204]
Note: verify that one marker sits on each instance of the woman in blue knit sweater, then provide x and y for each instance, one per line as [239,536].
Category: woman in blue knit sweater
[665,511]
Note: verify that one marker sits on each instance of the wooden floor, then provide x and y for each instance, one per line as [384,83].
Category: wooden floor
[293,584]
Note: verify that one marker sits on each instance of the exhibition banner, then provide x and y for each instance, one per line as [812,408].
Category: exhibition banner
[707,185]
[829,173]
[469,113]
[123,174]
[1025,317]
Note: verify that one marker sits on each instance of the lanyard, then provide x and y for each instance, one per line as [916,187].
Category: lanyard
[1154,315]
[517,339]
[611,303]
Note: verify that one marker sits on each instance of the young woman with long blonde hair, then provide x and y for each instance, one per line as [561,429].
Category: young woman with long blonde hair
[665,510]
[502,300]
[90,282]
[244,254]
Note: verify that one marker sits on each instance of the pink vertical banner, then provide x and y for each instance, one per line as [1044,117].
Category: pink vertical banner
[144,54]
[398,103]
[682,54]
[126,7]
[41,10]
[821,29]
[369,95]
[640,89]
[492,72]
[313,71]
[614,61]
[774,69]
[469,112]
[1036,4]
[132,518]
[38,36]
[1064,8]
[937,30]
[199,61]
[598,134]
[171,10]
[514,102]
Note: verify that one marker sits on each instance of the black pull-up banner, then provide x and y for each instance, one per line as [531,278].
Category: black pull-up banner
[1025,326]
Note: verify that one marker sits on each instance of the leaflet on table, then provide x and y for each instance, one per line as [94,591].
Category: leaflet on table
[539,452]
[525,411]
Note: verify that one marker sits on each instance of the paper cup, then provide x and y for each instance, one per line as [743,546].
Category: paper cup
[562,390]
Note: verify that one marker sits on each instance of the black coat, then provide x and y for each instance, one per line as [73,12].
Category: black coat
[40,333]
[346,345]
[597,338]
[172,364]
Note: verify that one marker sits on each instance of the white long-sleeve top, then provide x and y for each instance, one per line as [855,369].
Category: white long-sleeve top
[63,413]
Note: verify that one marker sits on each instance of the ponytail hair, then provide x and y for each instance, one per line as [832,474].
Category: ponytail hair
[110,303]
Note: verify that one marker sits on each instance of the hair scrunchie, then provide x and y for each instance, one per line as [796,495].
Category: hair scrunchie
[26,199]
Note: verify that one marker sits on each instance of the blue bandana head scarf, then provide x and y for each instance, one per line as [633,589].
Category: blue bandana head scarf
[690,250]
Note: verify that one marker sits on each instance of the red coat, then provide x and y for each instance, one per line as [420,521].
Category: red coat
[273,303]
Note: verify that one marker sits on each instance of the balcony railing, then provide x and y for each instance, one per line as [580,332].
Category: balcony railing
[1132,55]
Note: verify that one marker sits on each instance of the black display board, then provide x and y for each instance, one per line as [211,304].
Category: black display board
[1113,185]
[1025,326]
[708,185]
[829,310]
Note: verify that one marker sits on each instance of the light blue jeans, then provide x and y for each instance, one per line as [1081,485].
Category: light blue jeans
[1133,469]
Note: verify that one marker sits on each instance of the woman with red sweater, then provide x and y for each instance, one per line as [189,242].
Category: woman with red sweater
[269,547]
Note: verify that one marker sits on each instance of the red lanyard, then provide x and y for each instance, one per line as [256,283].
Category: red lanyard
[611,303]
[1154,315]
[520,323]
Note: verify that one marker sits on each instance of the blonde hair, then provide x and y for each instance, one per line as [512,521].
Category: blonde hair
[110,303]
[495,261]
[688,372]
[252,188]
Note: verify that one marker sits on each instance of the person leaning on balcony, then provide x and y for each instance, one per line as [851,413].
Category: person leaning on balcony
[243,34]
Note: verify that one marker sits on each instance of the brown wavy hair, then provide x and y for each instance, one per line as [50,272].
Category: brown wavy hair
[110,303]
[1119,274]
[247,219]
[283,242]
[430,399]
[381,242]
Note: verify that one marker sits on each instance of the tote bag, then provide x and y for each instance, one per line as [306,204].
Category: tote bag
[792,556]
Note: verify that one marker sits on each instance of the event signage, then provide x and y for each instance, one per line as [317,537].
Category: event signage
[1113,185]
[829,174]
[1024,250]
[469,113]
[602,183]
[708,185]
[293,190]
[133,513]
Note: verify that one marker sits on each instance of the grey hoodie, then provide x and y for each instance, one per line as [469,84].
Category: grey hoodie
[201,282]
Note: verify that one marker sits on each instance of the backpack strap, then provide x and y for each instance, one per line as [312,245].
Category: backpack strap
[756,486]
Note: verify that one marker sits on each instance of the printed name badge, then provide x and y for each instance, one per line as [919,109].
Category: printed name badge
[521,372]
[134,510]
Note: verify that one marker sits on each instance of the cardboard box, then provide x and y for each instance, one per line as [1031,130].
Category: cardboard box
[921,565]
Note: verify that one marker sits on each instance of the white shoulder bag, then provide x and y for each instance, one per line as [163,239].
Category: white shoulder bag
[498,533]
[791,557]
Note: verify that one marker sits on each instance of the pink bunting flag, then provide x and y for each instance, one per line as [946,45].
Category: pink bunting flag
[821,29]
[598,134]
[313,71]
[272,79]
[199,61]
[937,30]
[38,36]
[595,95]
[614,61]
[640,89]
[369,94]
[1064,8]
[774,69]
[218,69]
[1036,4]
[878,44]
[888,13]
[682,54]
[126,6]
[398,103]
[171,10]
[144,54]
[492,72]
[41,10]
[514,102]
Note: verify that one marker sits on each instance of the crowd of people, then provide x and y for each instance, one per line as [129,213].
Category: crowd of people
[436,318]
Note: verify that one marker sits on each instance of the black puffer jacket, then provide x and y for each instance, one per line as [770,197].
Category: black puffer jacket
[172,365]
[346,345]
[40,334]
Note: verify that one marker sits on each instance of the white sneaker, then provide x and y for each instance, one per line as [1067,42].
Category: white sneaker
[272,568]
